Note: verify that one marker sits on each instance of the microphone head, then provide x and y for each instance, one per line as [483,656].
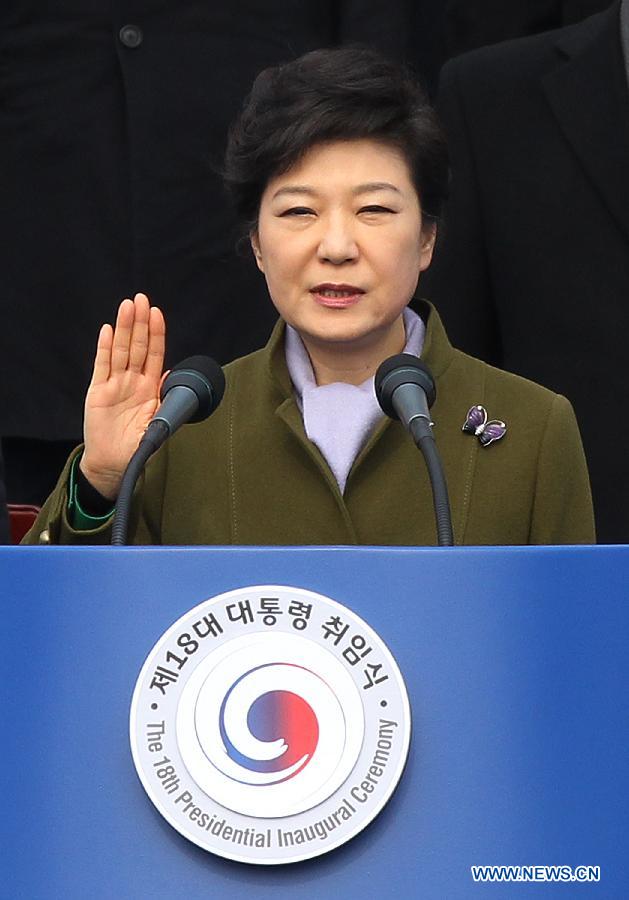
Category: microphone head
[398,370]
[204,376]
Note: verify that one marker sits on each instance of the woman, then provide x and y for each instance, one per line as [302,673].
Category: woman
[338,169]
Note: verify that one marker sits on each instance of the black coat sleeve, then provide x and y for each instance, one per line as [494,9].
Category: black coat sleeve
[384,24]
[404,30]
[459,279]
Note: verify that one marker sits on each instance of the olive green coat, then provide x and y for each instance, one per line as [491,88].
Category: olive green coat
[249,474]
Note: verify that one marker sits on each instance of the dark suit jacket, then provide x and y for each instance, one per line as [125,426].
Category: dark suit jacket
[110,139]
[537,230]
[476,23]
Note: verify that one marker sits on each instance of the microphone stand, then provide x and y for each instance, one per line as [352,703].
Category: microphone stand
[420,430]
[190,393]
[153,438]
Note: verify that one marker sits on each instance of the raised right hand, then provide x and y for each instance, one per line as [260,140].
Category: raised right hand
[124,392]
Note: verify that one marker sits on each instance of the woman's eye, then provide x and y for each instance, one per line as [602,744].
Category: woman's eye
[375,209]
[298,211]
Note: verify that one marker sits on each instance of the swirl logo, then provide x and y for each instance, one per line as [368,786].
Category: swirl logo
[282,721]
[280,725]
[269,737]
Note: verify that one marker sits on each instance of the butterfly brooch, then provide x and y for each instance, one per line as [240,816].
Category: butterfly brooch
[486,432]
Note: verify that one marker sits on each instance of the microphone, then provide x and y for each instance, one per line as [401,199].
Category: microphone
[190,393]
[406,390]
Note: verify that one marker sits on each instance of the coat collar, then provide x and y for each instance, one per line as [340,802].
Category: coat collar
[458,453]
[588,95]
[437,352]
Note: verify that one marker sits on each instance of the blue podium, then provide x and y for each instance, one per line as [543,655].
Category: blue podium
[516,664]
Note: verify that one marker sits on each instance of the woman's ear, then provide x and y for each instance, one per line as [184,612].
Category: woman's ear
[428,238]
[255,246]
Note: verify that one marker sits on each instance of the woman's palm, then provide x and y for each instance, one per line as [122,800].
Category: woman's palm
[124,392]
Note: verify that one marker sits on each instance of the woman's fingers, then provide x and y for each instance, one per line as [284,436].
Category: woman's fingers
[102,360]
[139,340]
[136,344]
[122,336]
[156,344]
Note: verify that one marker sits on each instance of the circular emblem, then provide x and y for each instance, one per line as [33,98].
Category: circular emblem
[269,724]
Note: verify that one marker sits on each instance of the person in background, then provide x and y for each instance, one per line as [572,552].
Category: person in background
[338,170]
[532,273]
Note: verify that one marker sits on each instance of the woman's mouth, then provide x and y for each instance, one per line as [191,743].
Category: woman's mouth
[337,296]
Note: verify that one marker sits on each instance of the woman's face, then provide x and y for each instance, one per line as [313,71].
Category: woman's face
[341,243]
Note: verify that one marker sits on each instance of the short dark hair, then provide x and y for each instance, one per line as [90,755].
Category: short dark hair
[326,95]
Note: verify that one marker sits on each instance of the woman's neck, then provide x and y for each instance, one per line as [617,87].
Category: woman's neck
[352,362]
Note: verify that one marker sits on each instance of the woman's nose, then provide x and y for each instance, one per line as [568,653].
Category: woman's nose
[338,243]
